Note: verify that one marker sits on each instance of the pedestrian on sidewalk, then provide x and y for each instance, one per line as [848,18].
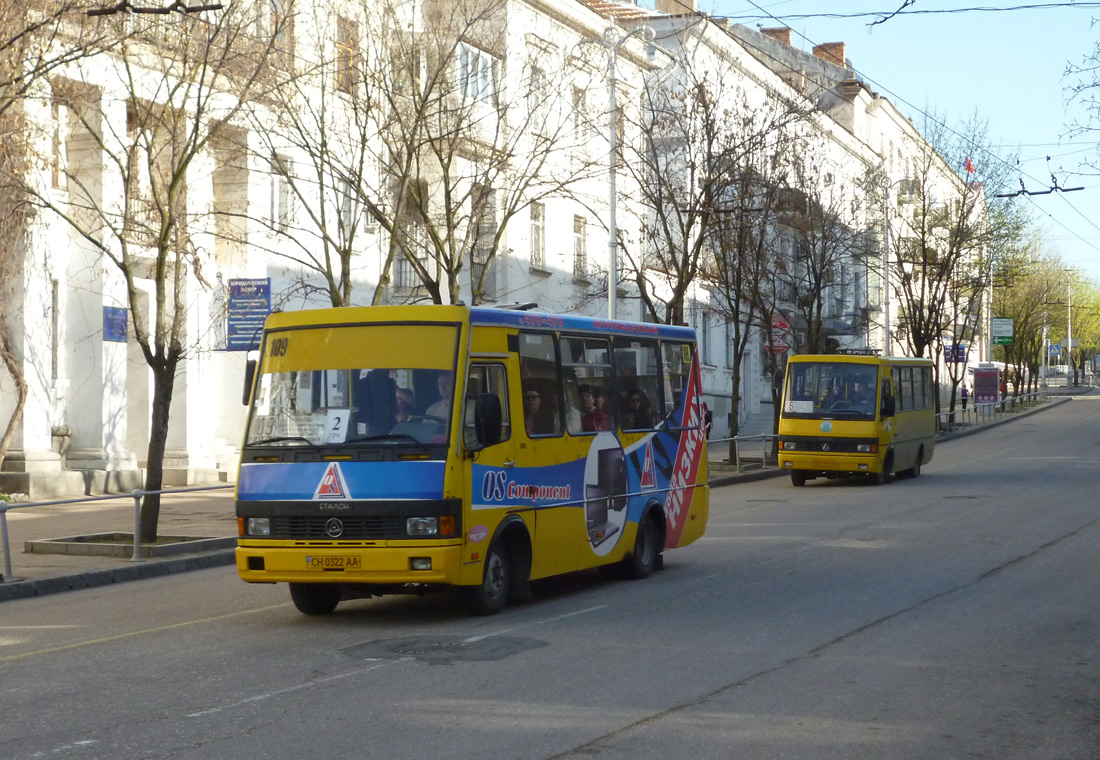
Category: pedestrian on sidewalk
[965,394]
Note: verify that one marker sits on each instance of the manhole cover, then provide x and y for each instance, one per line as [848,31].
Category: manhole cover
[443,650]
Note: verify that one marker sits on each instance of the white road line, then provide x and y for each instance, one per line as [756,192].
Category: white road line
[472,639]
[375,664]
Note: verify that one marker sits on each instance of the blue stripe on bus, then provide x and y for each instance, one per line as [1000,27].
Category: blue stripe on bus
[358,480]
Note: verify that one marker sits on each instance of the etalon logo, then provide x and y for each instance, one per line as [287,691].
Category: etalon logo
[332,485]
[824,447]
[334,528]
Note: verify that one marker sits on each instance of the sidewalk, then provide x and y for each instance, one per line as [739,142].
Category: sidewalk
[210,514]
[204,514]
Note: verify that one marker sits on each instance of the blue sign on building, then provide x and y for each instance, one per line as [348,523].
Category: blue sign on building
[249,305]
[114,324]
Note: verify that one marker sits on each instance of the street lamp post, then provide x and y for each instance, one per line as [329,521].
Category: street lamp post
[613,39]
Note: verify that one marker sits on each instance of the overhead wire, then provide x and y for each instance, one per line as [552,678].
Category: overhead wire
[925,114]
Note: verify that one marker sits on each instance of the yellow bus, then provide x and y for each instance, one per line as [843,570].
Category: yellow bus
[855,413]
[401,449]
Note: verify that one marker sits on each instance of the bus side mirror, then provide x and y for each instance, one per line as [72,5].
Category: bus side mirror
[488,422]
[249,378]
[889,406]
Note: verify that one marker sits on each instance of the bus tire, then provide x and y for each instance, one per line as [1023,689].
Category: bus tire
[798,479]
[315,598]
[643,558]
[914,471]
[491,595]
[883,475]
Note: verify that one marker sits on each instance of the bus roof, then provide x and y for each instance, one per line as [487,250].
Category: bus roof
[479,315]
[900,361]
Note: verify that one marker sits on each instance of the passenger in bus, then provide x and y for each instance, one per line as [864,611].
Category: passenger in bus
[536,420]
[593,418]
[442,408]
[406,405]
[637,414]
[859,395]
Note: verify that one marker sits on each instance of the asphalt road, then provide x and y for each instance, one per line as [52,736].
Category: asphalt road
[951,616]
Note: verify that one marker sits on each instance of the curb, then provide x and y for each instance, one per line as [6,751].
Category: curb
[135,572]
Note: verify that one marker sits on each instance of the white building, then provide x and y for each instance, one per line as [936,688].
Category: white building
[308,180]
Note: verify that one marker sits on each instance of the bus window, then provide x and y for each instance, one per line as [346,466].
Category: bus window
[677,366]
[492,379]
[538,373]
[638,383]
[586,366]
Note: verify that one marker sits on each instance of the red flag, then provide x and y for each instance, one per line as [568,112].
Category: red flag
[969,167]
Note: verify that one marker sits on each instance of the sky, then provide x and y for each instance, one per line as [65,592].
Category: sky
[1008,67]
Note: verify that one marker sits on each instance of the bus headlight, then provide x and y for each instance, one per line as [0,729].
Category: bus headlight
[790,446]
[258,526]
[863,448]
[422,526]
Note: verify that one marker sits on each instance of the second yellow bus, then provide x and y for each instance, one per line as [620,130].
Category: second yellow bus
[856,414]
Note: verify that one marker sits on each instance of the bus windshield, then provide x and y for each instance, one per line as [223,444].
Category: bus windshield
[838,390]
[355,386]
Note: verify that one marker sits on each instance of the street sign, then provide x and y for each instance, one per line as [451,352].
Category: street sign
[1001,329]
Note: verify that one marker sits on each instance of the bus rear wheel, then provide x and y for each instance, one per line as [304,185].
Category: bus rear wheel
[315,598]
[490,597]
[914,471]
[642,560]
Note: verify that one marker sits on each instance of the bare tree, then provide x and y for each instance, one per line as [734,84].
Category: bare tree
[823,211]
[699,135]
[183,79]
[405,118]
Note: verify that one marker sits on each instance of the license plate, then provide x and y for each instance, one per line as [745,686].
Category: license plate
[334,563]
[825,462]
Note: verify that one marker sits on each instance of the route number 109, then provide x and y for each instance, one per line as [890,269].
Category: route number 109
[279,346]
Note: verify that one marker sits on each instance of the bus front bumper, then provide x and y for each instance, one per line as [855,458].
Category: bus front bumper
[262,562]
[826,464]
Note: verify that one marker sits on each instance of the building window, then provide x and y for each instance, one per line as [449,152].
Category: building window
[349,208]
[347,55]
[478,74]
[580,108]
[281,208]
[281,18]
[580,246]
[538,99]
[538,236]
[483,275]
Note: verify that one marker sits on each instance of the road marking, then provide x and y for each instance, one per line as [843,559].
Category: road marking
[132,634]
[375,664]
[472,639]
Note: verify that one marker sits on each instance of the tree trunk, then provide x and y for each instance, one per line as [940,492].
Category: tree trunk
[164,379]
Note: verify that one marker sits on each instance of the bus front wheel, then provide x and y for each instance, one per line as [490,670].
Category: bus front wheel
[798,479]
[490,597]
[315,598]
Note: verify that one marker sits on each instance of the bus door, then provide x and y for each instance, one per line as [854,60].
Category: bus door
[491,467]
[550,463]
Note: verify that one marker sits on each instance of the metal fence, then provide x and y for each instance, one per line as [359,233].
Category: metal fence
[753,445]
[980,414]
[137,495]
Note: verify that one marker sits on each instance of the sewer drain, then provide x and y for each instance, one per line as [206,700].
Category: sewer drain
[443,650]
